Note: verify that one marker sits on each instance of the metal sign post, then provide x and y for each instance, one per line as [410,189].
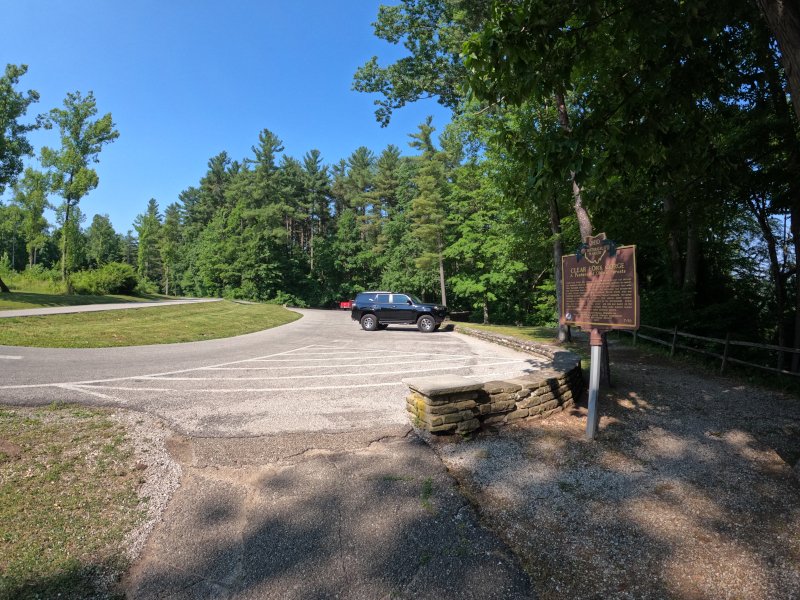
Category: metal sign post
[596,343]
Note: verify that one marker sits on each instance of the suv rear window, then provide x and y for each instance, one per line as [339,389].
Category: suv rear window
[382,299]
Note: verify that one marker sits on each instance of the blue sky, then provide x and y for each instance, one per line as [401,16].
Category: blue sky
[187,79]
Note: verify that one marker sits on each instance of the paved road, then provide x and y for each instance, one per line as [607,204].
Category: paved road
[62,310]
[320,373]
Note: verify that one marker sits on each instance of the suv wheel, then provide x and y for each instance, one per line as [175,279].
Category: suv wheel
[369,322]
[426,324]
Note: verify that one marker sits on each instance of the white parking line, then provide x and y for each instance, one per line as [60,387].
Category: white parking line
[239,390]
[361,364]
[370,373]
[9,357]
[367,356]
[85,390]
[278,362]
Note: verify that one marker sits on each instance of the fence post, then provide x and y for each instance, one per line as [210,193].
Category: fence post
[725,353]
[674,341]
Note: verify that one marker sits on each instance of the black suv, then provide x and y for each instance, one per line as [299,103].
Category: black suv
[378,310]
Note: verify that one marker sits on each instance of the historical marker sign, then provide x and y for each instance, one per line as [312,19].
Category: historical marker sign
[600,288]
[600,292]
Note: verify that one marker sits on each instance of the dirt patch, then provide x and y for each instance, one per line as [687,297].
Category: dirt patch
[687,492]
[9,450]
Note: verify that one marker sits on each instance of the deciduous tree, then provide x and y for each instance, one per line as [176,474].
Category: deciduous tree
[82,139]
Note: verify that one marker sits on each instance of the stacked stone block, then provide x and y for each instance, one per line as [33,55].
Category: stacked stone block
[446,404]
[454,404]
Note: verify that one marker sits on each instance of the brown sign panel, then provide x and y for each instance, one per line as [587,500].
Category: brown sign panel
[600,288]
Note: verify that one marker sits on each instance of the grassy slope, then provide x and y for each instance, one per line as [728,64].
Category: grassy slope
[142,326]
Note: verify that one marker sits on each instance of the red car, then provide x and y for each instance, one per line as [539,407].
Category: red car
[346,304]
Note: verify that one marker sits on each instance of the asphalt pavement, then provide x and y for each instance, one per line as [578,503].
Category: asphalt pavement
[301,475]
[320,373]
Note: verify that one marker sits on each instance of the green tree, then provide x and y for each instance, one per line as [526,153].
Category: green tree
[783,19]
[129,248]
[316,185]
[148,228]
[30,194]
[82,139]
[169,247]
[11,234]
[102,242]
[487,249]
[14,144]
[75,238]
[433,33]
[428,209]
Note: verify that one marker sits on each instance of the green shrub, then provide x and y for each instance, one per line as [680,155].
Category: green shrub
[282,297]
[145,287]
[36,279]
[113,278]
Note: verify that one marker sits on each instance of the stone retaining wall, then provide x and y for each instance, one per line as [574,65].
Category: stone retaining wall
[455,404]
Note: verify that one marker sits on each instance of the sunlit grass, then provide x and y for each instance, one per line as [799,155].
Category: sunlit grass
[68,482]
[143,326]
[543,335]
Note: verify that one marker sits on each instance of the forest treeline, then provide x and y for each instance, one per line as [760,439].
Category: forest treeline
[667,125]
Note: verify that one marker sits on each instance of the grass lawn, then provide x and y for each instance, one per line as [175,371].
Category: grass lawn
[544,335]
[68,481]
[142,326]
[18,300]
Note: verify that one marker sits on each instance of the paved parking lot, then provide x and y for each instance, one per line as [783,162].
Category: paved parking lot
[347,378]
[316,387]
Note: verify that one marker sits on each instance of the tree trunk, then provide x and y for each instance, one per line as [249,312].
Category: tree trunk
[795,228]
[64,248]
[3,287]
[783,18]
[584,222]
[580,211]
[762,217]
[558,252]
[441,276]
[311,247]
[792,145]
[485,311]
[692,257]
[14,248]
[673,242]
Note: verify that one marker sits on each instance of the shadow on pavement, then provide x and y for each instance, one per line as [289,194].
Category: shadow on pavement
[379,521]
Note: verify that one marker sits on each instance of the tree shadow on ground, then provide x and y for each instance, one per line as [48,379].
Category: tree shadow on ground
[382,521]
[76,581]
[679,496]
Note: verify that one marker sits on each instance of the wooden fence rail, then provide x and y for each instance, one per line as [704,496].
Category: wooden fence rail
[726,344]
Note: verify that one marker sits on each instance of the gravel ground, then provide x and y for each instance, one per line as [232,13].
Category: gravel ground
[162,475]
[682,495]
